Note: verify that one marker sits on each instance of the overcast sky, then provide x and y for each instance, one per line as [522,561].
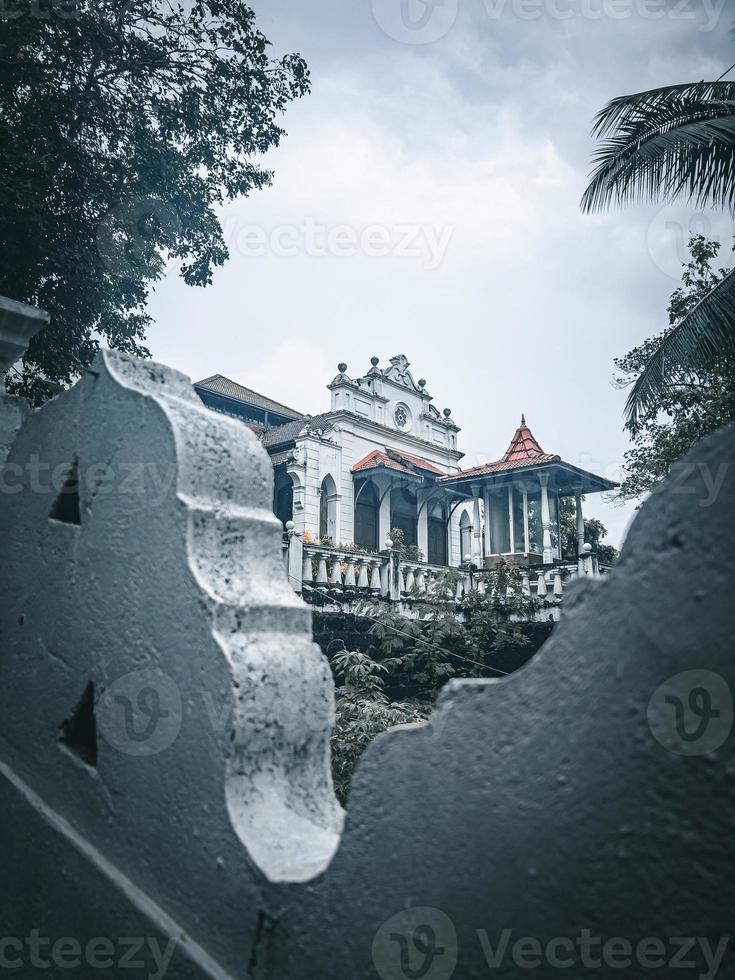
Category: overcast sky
[426,202]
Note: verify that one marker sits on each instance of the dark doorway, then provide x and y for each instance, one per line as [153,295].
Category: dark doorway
[403,514]
[366,516]
[283,504]
[438,552]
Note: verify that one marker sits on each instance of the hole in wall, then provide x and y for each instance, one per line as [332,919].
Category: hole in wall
[79,732]
[66,506]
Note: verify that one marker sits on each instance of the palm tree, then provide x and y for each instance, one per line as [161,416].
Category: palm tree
[672,143]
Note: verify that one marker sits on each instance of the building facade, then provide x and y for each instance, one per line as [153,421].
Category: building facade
[385,457]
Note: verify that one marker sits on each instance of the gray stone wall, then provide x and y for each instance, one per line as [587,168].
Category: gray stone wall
[584,803]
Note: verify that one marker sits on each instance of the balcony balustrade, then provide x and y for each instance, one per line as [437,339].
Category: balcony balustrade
[333,570]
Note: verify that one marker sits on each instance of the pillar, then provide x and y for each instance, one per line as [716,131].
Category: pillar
[580,524]
[422,529]
[476,528]
[488,534]
[295,557]
[384,519]
[511,529]
[546,519]
[526,534]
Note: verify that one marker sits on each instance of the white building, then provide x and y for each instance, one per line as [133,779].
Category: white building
[385,457]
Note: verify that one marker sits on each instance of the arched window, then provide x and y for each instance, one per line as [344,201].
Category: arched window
[283,498]
[437,535]
[366,516]
[465,536]
[328,510]
[403,513]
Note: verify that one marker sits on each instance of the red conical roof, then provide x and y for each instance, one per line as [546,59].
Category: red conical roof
[523,445]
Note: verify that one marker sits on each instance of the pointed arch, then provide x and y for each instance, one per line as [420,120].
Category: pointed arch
[404,513]
[328,510]
[367,509]
[465,535]
[438,533]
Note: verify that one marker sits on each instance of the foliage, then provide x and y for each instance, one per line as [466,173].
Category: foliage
[416,657]
[674,142]
[448,638]
[348,547]
[363,712]
[677,141]
[693,402]
[124,125]
[594,533]
[410,552]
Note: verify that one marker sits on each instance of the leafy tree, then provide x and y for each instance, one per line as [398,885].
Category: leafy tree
[363,712]
[414,658]
[693,401]
[437,644]
[672,143]
[124,124]
[594,533]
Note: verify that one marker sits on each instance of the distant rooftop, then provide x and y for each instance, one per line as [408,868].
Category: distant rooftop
[231,389]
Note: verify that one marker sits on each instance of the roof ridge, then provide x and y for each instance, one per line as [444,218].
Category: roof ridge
[277,406]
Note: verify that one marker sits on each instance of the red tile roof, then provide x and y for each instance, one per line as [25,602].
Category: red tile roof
[523,445]
[421,463]
[378,458]
[523,450]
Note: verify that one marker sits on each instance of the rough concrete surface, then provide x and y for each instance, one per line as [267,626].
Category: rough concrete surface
[212,705]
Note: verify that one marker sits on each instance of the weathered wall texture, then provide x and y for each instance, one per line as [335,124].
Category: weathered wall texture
[592,790]
[213,706]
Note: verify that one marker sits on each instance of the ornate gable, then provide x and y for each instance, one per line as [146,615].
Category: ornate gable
[398,373]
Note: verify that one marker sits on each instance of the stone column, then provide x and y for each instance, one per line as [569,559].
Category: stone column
[384,518]
[488,534]
[526,533]
[580,523]
[422,529]
[546,518]
[295,557]
[476,528]
[511,527]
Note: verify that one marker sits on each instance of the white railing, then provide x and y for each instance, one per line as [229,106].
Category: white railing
[331,569]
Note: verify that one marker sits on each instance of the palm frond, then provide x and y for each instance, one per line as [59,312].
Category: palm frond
[625,107]
[694,344]
[673,142]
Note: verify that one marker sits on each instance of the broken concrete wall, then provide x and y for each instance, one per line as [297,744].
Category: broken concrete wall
[590,791]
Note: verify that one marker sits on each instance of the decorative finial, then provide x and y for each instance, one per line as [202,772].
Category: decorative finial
[342,367]
[523,418]
[422,382]
[447,412]
[374,361]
